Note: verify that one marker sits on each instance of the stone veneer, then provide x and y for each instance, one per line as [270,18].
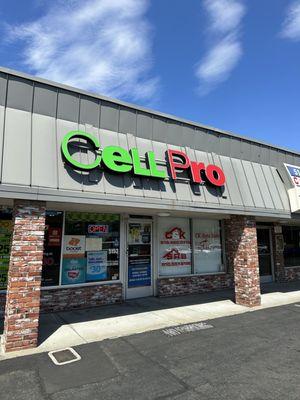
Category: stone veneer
[80,297]
[22,308]
[183,285]
[242,259]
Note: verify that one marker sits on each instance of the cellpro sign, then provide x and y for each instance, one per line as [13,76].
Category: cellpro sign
[120,160]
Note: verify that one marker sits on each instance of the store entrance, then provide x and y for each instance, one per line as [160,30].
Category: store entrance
[139,259]
[265,254]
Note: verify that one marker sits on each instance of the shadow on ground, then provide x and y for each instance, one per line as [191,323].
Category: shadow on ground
[49,323]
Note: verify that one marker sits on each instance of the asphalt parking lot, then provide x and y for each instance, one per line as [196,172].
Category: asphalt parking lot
[254,355]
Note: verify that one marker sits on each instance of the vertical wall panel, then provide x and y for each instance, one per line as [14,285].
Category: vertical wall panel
[19,93]
[225,145]
[68,106]
[17,147]
[127,120]
[213,143]
[113,183]
[160,128]
[132,183]
[197,191]
[45,100]
[253,184]
[174,133]
[92,181]
[3,86]
[245,150]
[150,185]
[68,177]
[242,182]
[281,189]
[235,147]
[272,187]
[200,140]
[224,192]
[2,113]
[264,188]
[231,181]
[188,136]
[44,151]
[89,111]
[167,187]
[144,125]
[109,116]
[210,193]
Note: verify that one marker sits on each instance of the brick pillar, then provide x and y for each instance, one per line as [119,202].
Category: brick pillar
[278,247]
[24,276]
[242,259]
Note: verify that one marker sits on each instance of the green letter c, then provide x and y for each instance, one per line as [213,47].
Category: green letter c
[88,137]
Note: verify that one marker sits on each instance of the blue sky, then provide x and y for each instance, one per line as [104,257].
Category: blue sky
[232,64]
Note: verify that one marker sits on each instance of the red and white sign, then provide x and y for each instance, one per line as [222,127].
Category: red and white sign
[97,229]
[175,246]
[54,236]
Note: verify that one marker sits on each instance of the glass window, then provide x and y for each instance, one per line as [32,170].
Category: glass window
[291,237]
[90,248]
[52,248]
[175,246]
[207,246]
[6,228]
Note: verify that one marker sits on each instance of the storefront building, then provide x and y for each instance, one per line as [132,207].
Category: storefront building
[102,201]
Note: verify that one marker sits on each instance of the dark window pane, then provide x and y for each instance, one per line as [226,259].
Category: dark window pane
[291,236]
[52,248]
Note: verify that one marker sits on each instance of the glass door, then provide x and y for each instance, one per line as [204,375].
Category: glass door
[265,255]
[139,259]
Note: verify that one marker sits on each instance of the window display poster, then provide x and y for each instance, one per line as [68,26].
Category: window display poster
[139,233]
[96,265]
[54,236]
[207,246]
[139,272]
[73,271]
[93,244]
[74,246]
[5,239]
[175,246]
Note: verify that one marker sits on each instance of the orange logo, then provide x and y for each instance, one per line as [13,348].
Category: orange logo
[74,242]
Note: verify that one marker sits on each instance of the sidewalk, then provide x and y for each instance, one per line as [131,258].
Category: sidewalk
[66,329]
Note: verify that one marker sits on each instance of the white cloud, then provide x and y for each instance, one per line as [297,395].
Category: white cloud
[291,24]
[224,15]
[225,18]
[98,45]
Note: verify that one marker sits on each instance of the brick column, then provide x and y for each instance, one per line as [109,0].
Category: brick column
[24,276]
[242,259]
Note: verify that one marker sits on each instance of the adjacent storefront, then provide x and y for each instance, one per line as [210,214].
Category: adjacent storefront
[102,201]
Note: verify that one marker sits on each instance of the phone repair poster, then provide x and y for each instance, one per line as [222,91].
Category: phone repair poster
[96,265]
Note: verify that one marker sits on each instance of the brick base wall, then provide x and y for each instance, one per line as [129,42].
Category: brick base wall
[82,297]
[177,286]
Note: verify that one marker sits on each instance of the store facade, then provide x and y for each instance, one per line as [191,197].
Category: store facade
[102,201]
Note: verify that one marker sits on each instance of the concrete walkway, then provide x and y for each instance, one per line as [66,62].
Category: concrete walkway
[66,329]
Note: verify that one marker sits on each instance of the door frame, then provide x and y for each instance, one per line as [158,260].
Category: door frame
[152,290]
[268,278]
